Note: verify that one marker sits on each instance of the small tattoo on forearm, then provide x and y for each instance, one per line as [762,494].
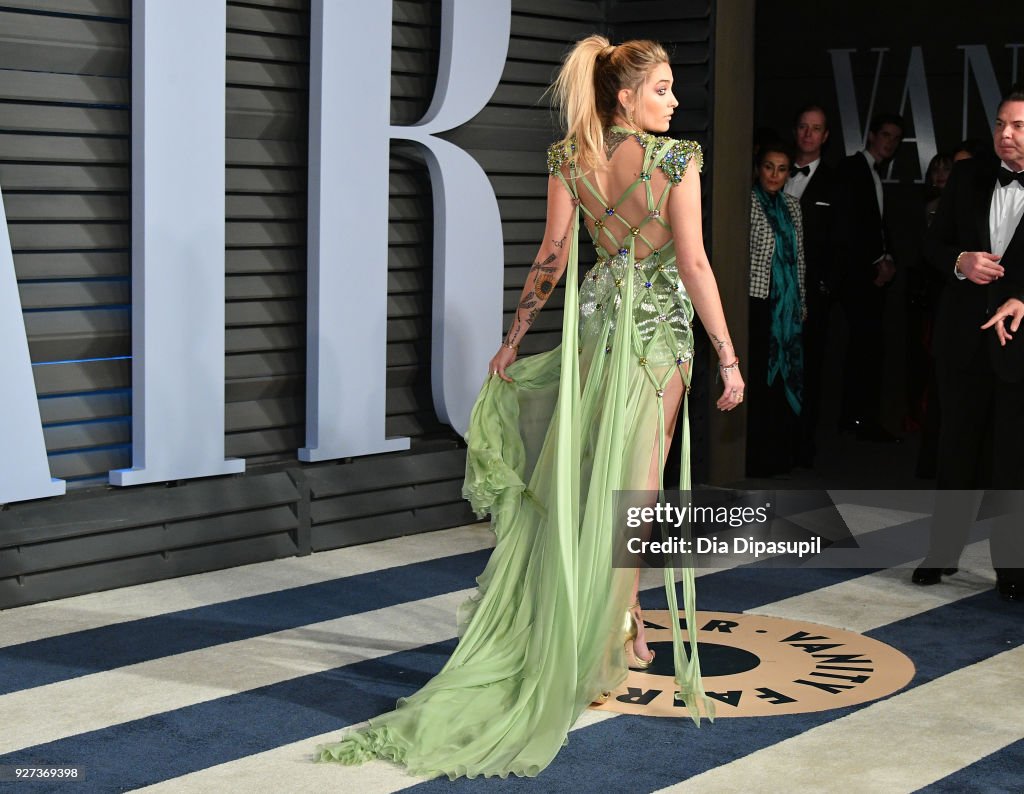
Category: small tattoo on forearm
[720,343]
[543,265]
[559,243]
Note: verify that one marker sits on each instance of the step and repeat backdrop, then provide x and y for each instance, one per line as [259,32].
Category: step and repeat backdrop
[160,397]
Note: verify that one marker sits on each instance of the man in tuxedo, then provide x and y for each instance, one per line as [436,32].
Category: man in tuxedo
[977,241]
[812,181]
[865,269]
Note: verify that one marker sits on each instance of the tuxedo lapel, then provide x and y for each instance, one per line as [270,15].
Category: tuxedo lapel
[867,181]
[1013,256]
[984,184]
[813,190]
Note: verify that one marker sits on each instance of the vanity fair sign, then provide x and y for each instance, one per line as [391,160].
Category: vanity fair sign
[178,167]
[941,69]
[915,103]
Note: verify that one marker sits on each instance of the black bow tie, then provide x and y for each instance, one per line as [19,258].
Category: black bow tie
[1006,177]
[880,168]
[804,169]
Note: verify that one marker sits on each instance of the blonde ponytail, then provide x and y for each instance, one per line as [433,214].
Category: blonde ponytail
[574,94]
[587,87]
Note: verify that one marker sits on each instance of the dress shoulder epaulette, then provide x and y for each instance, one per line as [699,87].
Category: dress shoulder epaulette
[677,158]
[560,153]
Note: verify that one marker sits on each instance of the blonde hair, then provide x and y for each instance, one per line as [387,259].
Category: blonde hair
[586,91]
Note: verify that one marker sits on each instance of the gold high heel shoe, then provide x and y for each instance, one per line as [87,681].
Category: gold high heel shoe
[633,661]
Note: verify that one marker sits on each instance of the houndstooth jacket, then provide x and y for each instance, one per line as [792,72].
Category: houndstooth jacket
[762,247]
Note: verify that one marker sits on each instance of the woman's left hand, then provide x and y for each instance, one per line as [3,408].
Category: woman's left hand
[732,390]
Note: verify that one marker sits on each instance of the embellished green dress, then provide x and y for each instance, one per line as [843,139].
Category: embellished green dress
[543,636]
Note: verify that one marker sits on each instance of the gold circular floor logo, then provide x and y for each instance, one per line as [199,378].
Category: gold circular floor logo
[755,666]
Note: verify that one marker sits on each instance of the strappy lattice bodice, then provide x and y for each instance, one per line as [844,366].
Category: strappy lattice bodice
[631,237]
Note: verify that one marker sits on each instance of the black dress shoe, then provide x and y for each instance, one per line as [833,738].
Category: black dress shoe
[925,576]
[1010,591]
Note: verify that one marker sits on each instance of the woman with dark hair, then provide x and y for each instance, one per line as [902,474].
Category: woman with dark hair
[777,310]
[553,436]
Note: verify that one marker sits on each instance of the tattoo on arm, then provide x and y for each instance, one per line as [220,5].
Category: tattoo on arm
[529,301]
[544,282]
[720,343]
[544,265]
[560,243]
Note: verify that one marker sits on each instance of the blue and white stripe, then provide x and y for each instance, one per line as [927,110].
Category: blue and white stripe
[227,681]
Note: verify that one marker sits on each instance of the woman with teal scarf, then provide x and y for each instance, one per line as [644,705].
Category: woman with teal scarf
[777,311]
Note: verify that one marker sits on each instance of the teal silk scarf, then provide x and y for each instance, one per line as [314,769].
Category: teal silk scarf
[785,348]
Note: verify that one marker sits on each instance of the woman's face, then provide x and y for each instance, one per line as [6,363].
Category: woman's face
[938,174]
[656,103]
[773,171]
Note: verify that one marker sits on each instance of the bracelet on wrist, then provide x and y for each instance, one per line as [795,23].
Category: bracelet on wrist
[514,348]
[729,367]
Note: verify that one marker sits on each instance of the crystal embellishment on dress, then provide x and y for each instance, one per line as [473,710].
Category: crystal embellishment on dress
[678,157]
[558,156]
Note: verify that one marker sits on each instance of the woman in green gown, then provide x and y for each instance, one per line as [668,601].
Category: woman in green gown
[553,436]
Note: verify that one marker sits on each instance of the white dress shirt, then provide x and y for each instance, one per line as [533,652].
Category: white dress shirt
[797,183]
[1004,213]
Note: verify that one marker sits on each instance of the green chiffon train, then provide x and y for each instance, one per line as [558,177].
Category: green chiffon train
[543,636]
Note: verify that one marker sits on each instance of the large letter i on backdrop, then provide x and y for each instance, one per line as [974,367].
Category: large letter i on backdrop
[178,128]
[349,137]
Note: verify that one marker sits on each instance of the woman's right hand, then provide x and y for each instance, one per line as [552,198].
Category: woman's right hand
[503,358]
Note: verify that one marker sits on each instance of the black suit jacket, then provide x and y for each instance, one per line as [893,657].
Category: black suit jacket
[961,224]
[817,207]
[859,231]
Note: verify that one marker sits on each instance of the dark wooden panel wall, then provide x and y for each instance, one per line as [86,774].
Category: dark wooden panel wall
[65,172]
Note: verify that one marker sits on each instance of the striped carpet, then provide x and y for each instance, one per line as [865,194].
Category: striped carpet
[227,681]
